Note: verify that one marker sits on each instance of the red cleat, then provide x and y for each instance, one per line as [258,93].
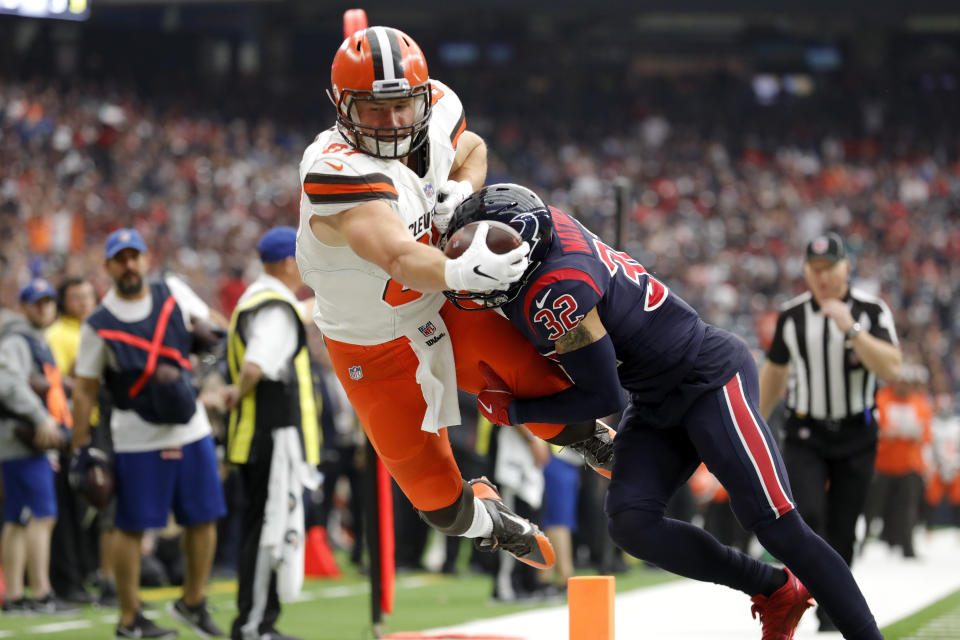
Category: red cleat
[780,612]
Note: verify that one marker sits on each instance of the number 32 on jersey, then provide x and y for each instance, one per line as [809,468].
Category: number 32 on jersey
[559,318]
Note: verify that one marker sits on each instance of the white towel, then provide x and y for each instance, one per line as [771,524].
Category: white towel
[516,469]
[437,374]
[283,535]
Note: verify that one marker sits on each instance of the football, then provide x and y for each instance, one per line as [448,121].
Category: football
[501,238]
[98,486]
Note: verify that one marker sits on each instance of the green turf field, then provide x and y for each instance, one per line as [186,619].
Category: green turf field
[939,621]
[330,610]
[339,609]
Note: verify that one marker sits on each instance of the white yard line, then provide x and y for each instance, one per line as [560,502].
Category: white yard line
[56,627]
[688,610]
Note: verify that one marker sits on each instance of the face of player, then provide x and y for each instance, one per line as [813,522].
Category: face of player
[386,114]
[386,125]
[826,279]
[79,300]
[128,269]
[41,313]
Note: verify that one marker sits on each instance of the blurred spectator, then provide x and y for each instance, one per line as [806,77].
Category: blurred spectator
[561,493]
[139,341]
[33,410]
[943,463]
[69,561]
[723,203]
[76,299]
[903,415]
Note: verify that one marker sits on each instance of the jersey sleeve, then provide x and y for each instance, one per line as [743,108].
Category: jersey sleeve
[339,180]
[884,328]
[448,119]
[778,352]
[558,301]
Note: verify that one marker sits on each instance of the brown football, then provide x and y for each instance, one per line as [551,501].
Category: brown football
[501,238]
[98,486]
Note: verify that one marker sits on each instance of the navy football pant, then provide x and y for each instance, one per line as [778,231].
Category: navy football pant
[724,429]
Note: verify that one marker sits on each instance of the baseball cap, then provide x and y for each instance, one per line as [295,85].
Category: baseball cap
[828,246]
[278,244]
[124,239]
[37,289]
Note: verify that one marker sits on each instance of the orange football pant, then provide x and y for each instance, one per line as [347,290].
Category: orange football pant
[390,405]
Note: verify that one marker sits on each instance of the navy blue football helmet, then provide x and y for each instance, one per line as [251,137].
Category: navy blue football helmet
[510,204]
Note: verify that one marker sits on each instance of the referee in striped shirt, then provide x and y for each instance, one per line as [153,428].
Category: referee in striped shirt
[831,344]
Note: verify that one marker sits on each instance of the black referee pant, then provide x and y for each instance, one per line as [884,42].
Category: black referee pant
[256,583]
[830,510]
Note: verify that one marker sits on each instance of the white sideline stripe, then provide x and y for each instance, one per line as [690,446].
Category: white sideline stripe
[895,588]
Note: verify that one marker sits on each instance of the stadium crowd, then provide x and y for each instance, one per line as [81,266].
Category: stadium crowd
[721,191]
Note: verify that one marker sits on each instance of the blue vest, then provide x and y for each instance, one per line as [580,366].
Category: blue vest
[55,397]
[153,372]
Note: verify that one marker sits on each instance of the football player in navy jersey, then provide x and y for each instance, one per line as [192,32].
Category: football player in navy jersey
[693,393]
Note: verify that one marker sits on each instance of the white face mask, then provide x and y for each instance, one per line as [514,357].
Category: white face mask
[387,147]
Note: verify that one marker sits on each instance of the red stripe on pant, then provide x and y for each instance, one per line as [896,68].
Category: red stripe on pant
[756,445]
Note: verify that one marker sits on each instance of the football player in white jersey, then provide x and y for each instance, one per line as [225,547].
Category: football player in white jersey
[377,187]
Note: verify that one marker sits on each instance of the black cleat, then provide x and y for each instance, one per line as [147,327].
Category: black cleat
[52,606]
[144,627]
[196,617]
[517,536]
[597,450]
[21,607]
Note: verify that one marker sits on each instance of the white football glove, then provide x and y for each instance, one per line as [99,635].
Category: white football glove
[480,269]
[451,194]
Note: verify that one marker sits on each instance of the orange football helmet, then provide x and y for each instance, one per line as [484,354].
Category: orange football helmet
[376,64]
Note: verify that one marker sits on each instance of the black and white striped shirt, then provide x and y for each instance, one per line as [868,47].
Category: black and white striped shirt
[827,380]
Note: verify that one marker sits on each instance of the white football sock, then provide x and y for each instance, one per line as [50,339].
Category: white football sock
[482,525]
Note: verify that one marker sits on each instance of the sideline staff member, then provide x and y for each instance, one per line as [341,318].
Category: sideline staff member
[138,340]
[832,343]
[273,434]
[31,395]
